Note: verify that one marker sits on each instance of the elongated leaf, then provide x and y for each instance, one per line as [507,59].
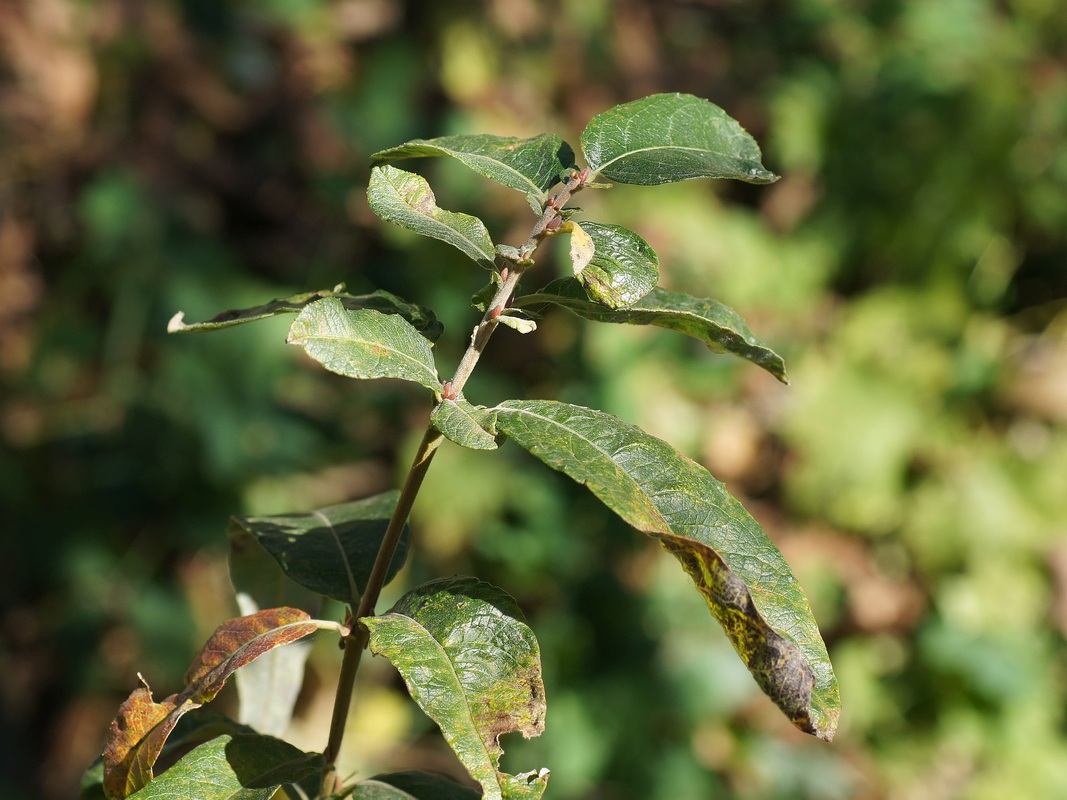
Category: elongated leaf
[473,665]
[671,137]
[142,726]
[247,767]
[718,326]
[238,641]
[623,269]
[364,344]
[412,785]
[421,318]
[746,582]
[464,424]
[331,550]
[406,199]
[529,165]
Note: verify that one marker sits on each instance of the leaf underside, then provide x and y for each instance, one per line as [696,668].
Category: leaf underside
[473,666]
[528,165]
[718,326]
[364,344]
[422,319]
[748,586]
[665,138]
[406,199]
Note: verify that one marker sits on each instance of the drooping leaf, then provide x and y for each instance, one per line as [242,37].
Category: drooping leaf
[464,424]
[238,641]
[671,137]
[142,726]
[137,717]
[473,665]
[529,165]
[421,318]
[407,200]
[718,326]
[364,344]
[412,785]
[623,268]
[747,584]
[247,767]
[330,551]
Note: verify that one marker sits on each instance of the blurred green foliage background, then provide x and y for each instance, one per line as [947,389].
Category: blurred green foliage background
[911,265]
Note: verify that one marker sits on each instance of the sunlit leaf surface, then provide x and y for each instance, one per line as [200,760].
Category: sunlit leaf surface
[671,137]
[248,767]
[746,582]
[464,424]
[406,199]
[473,665]
[364,344]
[719,326]
[623,268]
[529,165]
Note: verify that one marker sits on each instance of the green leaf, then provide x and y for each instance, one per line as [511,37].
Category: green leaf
[329,551]
[421,318]
[623,269]
[671,137]
[412,785]
[406,199]
[247,767]
[529,165]
[364,344]
[473,665]
[748,586]
[464,424]
[718,326]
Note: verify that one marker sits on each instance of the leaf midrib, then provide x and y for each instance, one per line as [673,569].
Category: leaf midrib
[352,584]
[618,469]
[463,693]
[628,153]
[368,344]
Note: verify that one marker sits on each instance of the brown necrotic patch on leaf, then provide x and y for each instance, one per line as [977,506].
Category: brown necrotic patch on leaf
[138,716]
[775,662]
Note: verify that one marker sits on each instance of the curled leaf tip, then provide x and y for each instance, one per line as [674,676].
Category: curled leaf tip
[177,323]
